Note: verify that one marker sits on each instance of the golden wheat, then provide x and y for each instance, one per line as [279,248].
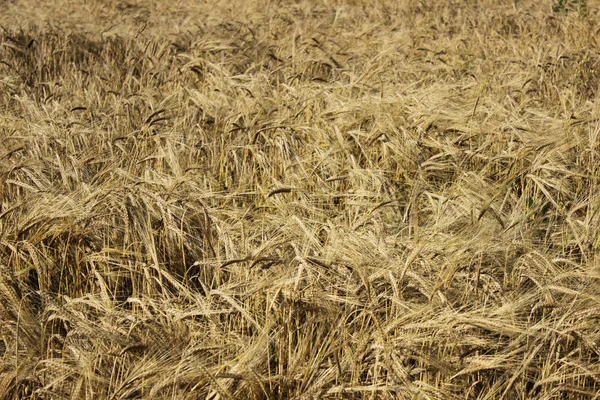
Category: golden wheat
[314,199]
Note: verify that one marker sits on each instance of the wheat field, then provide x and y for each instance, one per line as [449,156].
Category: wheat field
[314,199]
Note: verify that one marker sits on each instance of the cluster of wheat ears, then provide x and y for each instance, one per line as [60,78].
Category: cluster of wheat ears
[364,199]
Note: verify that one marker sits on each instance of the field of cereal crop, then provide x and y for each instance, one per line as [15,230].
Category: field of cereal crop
[313,199]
